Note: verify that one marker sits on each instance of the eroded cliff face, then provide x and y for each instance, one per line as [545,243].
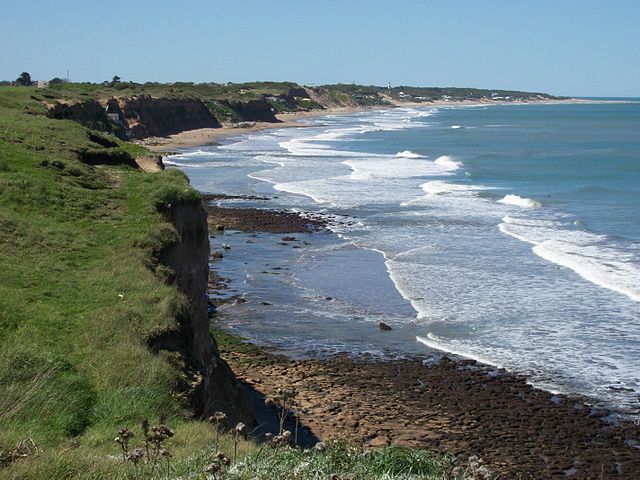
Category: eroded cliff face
[253,110]
[214,386]
[138,117]
[90,113]
[147,116]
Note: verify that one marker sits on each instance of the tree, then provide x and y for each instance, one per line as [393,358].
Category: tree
[114,80]
[57,81]
[24,79]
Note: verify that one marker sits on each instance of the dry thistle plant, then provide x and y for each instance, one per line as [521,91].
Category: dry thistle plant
[280,440]
[285,401]
[23,449]
[212,469]
[154,439]
[238,433]
[473,470]
[123,438]
[153,451]
[218,420]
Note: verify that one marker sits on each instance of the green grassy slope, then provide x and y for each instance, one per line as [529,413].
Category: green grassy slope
[78,298]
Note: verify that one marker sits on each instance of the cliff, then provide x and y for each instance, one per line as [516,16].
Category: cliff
[132,110]
[138,117]
[147,116]
[213,386]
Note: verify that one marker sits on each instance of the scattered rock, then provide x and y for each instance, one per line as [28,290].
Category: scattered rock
[262,220]
[384,327]
[379,441]
[217,254]
[288,239]
[226,246]
[241,300]
[265,303]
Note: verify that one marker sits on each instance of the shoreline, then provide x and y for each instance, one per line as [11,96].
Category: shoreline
[458,406]
[211,136]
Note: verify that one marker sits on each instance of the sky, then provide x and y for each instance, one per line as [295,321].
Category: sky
[563,47]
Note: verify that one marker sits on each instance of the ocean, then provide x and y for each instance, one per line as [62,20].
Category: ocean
[509,234]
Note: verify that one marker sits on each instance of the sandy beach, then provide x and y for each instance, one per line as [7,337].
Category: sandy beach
[210,136]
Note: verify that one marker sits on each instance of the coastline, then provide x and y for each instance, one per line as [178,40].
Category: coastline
[211,136]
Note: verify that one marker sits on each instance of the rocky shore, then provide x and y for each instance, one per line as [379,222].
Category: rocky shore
[453,405]
[257,220]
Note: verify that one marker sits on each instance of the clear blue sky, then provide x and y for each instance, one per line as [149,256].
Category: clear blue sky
[567,47]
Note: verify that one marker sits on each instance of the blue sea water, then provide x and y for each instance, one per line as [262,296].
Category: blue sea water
[505,233]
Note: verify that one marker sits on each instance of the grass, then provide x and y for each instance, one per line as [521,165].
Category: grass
[340,459]
[80,294]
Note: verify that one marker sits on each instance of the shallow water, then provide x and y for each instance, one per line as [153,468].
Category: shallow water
[509,234]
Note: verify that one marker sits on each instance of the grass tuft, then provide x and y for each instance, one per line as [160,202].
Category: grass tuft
[339,459]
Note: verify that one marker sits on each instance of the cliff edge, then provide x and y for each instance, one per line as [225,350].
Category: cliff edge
[214,386]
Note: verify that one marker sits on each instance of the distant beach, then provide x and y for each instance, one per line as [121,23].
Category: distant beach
[209,136]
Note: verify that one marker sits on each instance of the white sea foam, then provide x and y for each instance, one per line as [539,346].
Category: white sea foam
[399,167]
[519,201]
[195,153]
[440,187]
[591,256]
[305,147]
[433,341]
[455,127]
[447,162]
[408,154]
[187,164]
[389,120]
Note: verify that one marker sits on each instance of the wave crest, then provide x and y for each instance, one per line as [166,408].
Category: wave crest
[519,201]
[408,154]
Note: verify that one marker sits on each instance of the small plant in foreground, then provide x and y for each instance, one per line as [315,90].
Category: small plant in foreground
[474,469]
[123,438]
[218,420]
[285,401]
[23,449]
[152,452]
[239,432]
[217,465]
